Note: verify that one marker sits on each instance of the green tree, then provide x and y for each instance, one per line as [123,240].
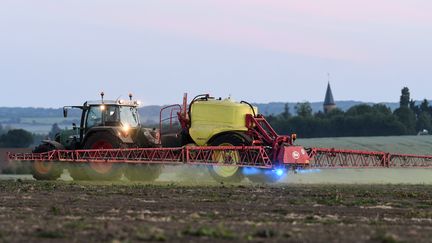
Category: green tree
[424,106]
[271,118]
[335,112]
[414,107]
[16,138]
[408,118]
[359,110]
[424,121]
[383,109]
[405,97]
[304,109]
[286,113]
[406,113]
[366,120]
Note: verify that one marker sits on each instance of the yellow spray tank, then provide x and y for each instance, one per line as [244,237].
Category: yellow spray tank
[210,117]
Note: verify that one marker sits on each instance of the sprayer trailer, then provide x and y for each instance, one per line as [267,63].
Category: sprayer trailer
[230,138]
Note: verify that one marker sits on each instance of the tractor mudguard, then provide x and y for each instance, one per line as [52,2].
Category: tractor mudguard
[147,137]
[55,144]
[241,134]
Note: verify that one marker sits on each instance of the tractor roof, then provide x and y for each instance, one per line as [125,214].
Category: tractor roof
[112,102]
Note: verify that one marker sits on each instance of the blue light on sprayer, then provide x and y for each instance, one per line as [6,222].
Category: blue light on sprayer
[279,172]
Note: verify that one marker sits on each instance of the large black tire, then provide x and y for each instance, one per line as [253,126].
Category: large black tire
[100,170]
[144,172]
[45,170]
[231,174]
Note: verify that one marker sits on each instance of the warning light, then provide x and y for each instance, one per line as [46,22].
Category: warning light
[279,172]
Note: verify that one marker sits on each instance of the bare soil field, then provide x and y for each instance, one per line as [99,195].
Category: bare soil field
[62,211]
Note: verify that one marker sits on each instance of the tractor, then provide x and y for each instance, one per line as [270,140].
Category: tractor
[105,124]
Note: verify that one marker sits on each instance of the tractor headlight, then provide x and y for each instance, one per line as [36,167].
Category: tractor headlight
[125,130]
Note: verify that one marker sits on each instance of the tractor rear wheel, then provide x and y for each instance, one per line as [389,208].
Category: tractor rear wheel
[102,170]
[45,170]
[144,172]
[229,173]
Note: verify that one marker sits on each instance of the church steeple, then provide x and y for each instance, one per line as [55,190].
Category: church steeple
[329,103]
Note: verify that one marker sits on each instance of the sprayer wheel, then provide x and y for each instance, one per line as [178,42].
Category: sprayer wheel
[45,170]
[227,173]
[144,172]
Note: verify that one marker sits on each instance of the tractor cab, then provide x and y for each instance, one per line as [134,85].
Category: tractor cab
[109,114]
[117,121]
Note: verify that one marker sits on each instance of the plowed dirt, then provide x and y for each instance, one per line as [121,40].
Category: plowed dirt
[33,211]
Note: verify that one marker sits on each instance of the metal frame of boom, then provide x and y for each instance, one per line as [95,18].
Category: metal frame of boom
[246,156]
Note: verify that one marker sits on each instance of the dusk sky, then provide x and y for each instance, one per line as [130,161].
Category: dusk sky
[55,53]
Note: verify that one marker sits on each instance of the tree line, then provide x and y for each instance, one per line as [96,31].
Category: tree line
[359,120]
[16,138]
[20,138]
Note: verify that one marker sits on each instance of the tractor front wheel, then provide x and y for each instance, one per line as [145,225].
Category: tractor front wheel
[45,170]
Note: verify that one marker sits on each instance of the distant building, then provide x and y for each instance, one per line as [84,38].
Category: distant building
[329,103]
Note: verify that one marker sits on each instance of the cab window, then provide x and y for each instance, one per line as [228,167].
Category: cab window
[111,115]
[94,117]
[129,116]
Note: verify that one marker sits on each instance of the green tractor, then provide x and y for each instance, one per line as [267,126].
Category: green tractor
[104,125]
